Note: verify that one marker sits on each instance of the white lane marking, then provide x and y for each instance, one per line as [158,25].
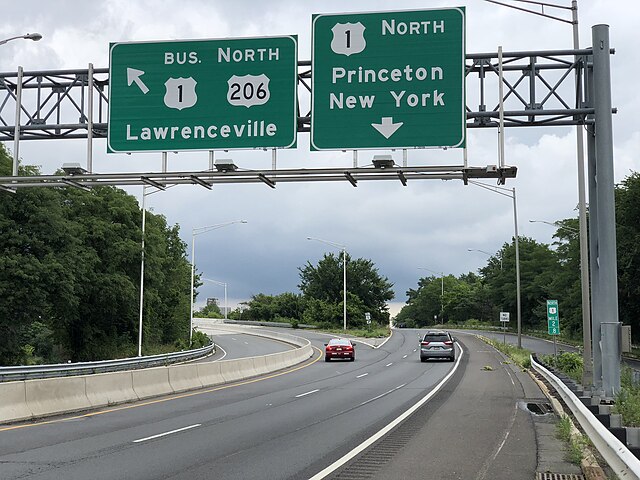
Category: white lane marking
[405,356]
[167,433]
[246,343]
[225,353]
[382,432]
[415,349]
[485,468]
[232,338]
[363,375]
[382,395]
[389,364]
[308,393]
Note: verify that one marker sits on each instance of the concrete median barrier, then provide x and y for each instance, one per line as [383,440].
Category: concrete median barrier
[210,374]
[110,388]
[13,405]
[184,377]
[56,395]
[151,382]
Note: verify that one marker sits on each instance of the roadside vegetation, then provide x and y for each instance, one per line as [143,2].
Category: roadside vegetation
[521,356]
[575,443]
[628,400]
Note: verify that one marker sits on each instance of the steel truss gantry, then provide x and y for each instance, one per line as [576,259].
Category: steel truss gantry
[539,88]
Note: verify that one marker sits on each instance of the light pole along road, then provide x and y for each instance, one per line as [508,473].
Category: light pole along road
[344,275]
[194,233]
[222,284]
[308,422]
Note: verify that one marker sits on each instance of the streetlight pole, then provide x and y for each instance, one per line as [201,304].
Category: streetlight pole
[29,36]
[511,193]
[486,253]
[344,275]
[441,291]
[223,284]
[195,232]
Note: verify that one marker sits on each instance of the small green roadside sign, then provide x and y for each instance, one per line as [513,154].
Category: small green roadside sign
[203,94]
[388,80]
[553,318]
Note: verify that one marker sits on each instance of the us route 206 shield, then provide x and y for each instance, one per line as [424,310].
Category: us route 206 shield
[348,38]
[248,90]
[180,93]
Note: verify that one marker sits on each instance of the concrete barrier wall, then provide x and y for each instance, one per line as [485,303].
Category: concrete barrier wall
[184,377]
[13,402]
[110,388]
[28,399]
[56,395]
[151,382]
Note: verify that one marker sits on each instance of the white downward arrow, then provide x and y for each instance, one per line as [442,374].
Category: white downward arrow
[133,75]
[387,127]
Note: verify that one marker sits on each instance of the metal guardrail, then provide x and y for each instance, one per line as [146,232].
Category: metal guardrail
[616,454]
[88,368]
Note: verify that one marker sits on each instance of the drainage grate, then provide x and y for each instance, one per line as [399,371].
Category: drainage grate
[558,476]
[538,408]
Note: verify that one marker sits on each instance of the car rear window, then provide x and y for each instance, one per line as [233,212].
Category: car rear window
[439,337]
[339,341]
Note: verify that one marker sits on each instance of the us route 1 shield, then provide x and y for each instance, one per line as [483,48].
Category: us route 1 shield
[203,94]
[388,80]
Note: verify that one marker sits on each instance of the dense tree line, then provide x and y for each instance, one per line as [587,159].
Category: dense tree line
[321,297]
[70,275]
[546,272]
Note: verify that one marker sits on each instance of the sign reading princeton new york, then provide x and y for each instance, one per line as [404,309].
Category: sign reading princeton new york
[203,94]
[388,80]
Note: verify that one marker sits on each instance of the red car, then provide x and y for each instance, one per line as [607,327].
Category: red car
[339,348]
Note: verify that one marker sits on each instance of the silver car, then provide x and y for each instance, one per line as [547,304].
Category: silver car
[437,344]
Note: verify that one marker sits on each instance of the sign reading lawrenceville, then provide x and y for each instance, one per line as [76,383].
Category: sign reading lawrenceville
[388,80]
[203,94]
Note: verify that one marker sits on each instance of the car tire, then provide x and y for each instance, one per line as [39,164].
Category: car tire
[352,359]
[452,359]
[423,359]
[326,359]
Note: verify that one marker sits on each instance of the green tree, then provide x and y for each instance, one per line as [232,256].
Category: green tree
[367,291]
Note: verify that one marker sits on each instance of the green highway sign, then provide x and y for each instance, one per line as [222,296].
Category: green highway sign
[388,80]
[553,318]
[203,94]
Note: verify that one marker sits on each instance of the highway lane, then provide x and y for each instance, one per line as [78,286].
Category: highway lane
[289,425]
[232,345]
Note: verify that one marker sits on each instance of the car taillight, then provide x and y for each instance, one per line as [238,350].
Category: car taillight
[448,343]
[329,348]
[348,347]
[424,344]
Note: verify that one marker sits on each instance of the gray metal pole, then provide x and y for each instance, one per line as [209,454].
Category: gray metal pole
[144,216]
[90,120]
[516,241]
[611,358]
[596,309]
[16,131]
[344,287]
[608,280]
[587,372]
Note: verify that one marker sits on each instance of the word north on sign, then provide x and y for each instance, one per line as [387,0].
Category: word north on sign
[203,94]
[388,80]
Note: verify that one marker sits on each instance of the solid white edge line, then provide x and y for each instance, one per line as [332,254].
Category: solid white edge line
[382,432]
[225,353]
[167,433]
[363,375]
[307,393]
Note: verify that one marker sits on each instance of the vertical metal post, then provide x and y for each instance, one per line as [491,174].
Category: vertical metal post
[273,159]
[144,216]
[90,125]
[16,130]
[516,242]
[611,358]
[193,272]
[607,262]
[596,309]
[405,157]
[212,159]
[344,288]
[226,304]
[164,162]
[501,94]
[355,159]
[587,372]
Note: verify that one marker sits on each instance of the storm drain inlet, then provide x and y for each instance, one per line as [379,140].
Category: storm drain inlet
[558,476]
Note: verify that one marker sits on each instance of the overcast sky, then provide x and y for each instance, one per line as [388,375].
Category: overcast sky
[429,223]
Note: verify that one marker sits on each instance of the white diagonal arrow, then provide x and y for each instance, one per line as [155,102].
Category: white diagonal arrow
[133,75]
[387,127]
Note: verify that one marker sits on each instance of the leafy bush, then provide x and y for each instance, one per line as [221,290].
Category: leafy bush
[521,356]
[570,363]
[199,340]
[628,400]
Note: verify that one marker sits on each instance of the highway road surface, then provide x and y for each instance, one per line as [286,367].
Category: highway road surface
[312,421]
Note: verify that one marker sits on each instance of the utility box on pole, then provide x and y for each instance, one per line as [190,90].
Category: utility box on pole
[625,343]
